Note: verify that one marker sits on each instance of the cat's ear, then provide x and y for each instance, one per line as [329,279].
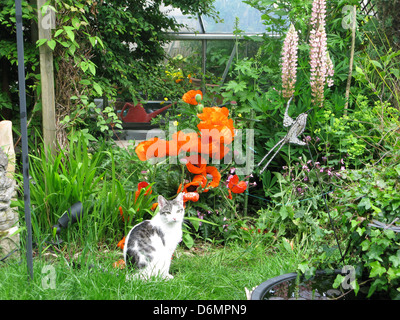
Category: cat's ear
[161,201]
[179,198]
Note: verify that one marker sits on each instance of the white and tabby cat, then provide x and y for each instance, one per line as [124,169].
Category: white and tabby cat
[150,244]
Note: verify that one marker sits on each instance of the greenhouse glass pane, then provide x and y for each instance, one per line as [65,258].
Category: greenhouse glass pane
[191,22]
[249,18]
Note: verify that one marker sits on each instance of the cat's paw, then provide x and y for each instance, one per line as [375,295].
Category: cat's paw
[168,277]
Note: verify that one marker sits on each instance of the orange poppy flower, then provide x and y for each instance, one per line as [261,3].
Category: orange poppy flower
[240,187]
[208,146]
[154,147]
[197,181]
[154,206]
[214,114]
[237,186]
[157,149]
[191,196]
[173,148]
[190,97]
[216,125]
[122,214]
[189,142]
[121,243]
[196,164]
[221,153]
[120,264]
[216,177]
[142,147]
[180,142]
[142,185]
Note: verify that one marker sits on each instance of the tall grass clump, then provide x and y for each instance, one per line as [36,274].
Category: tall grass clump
[87,173]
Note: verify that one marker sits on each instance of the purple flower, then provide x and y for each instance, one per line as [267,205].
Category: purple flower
[200,216]
[306,168]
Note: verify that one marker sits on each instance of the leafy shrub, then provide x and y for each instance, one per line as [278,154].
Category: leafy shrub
[358,135]
[373,193]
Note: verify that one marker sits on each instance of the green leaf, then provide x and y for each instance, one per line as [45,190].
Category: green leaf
[187,240]
[283,212]
[93,41]
[359,70]
[92,68]
[200,220]
[338,281]
[395,259]
[376,64]
[286,245]
[58,32]
[393,273]
[72,49]
[236,87]
[41,42]
[52,44]
[84,66]
[376,269]
[365,202]
[70,33]
[98,89]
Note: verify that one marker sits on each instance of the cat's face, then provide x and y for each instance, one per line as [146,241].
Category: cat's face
[171,211]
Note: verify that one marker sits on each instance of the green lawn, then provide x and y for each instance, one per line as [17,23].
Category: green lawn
[205,272]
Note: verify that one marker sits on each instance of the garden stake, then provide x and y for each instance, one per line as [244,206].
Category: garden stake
[24,136]
[296,128]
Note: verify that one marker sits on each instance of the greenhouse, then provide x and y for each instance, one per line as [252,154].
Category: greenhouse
[199,150]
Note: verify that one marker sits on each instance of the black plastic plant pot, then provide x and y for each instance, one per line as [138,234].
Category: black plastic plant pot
[291,286]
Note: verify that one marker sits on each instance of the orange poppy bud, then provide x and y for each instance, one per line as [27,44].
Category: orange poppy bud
[190,97]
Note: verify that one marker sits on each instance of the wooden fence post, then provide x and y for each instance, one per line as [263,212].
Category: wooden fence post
[46,22]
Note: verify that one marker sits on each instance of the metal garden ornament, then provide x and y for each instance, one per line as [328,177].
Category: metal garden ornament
[296,128]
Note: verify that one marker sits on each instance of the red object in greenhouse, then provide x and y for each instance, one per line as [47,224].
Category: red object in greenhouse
[138,114]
